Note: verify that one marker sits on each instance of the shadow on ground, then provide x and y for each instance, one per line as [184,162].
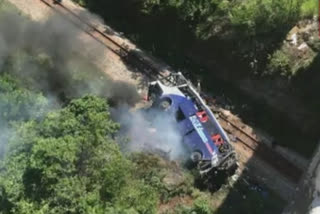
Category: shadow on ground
[163,34]
[166,36]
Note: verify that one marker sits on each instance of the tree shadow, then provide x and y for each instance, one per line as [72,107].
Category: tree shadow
[166,36]
[248,195]
[307,81]
[5,203]
[34,187]
[219,61]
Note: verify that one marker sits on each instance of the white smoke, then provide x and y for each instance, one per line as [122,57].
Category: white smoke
[150,130]
[52,58]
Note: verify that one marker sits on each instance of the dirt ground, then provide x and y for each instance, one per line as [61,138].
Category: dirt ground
[107,61]
[112,65]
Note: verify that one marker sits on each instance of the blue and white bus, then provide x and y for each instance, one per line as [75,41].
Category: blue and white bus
[202,135]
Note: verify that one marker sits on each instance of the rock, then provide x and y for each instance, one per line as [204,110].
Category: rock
[303,46]
[294,39]
[292,34]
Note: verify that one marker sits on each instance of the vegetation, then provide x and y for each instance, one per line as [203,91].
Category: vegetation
[279,62]
[309,8]
[17,103]
[187,23]
[225,41]
[68,163]
[65,160]
[58,152]
[6,6]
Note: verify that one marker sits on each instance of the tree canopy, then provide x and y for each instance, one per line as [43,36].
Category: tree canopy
[69,163]
[17,103]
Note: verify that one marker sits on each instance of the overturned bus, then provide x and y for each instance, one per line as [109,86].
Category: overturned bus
[202,135]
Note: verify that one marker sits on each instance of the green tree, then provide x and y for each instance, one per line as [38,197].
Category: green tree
[256,17]
[17,103]
[69,163]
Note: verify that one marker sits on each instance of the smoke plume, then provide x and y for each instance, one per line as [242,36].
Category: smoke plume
[150,130]
[51,57]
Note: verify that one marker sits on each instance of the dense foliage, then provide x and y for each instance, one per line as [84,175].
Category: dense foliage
[68,163]
[17,103]
[240,30]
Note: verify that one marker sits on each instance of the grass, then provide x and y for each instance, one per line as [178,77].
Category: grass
[6,6]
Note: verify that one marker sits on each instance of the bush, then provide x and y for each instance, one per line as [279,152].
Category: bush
[182,209]
[256,17]
[279,62]
[138,196]
[201,206]
[309,8]
[162,175]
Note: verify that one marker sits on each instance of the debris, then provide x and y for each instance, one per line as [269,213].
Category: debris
[235,177]
[303,46]
[292,35]
[294,39]
[233,138]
